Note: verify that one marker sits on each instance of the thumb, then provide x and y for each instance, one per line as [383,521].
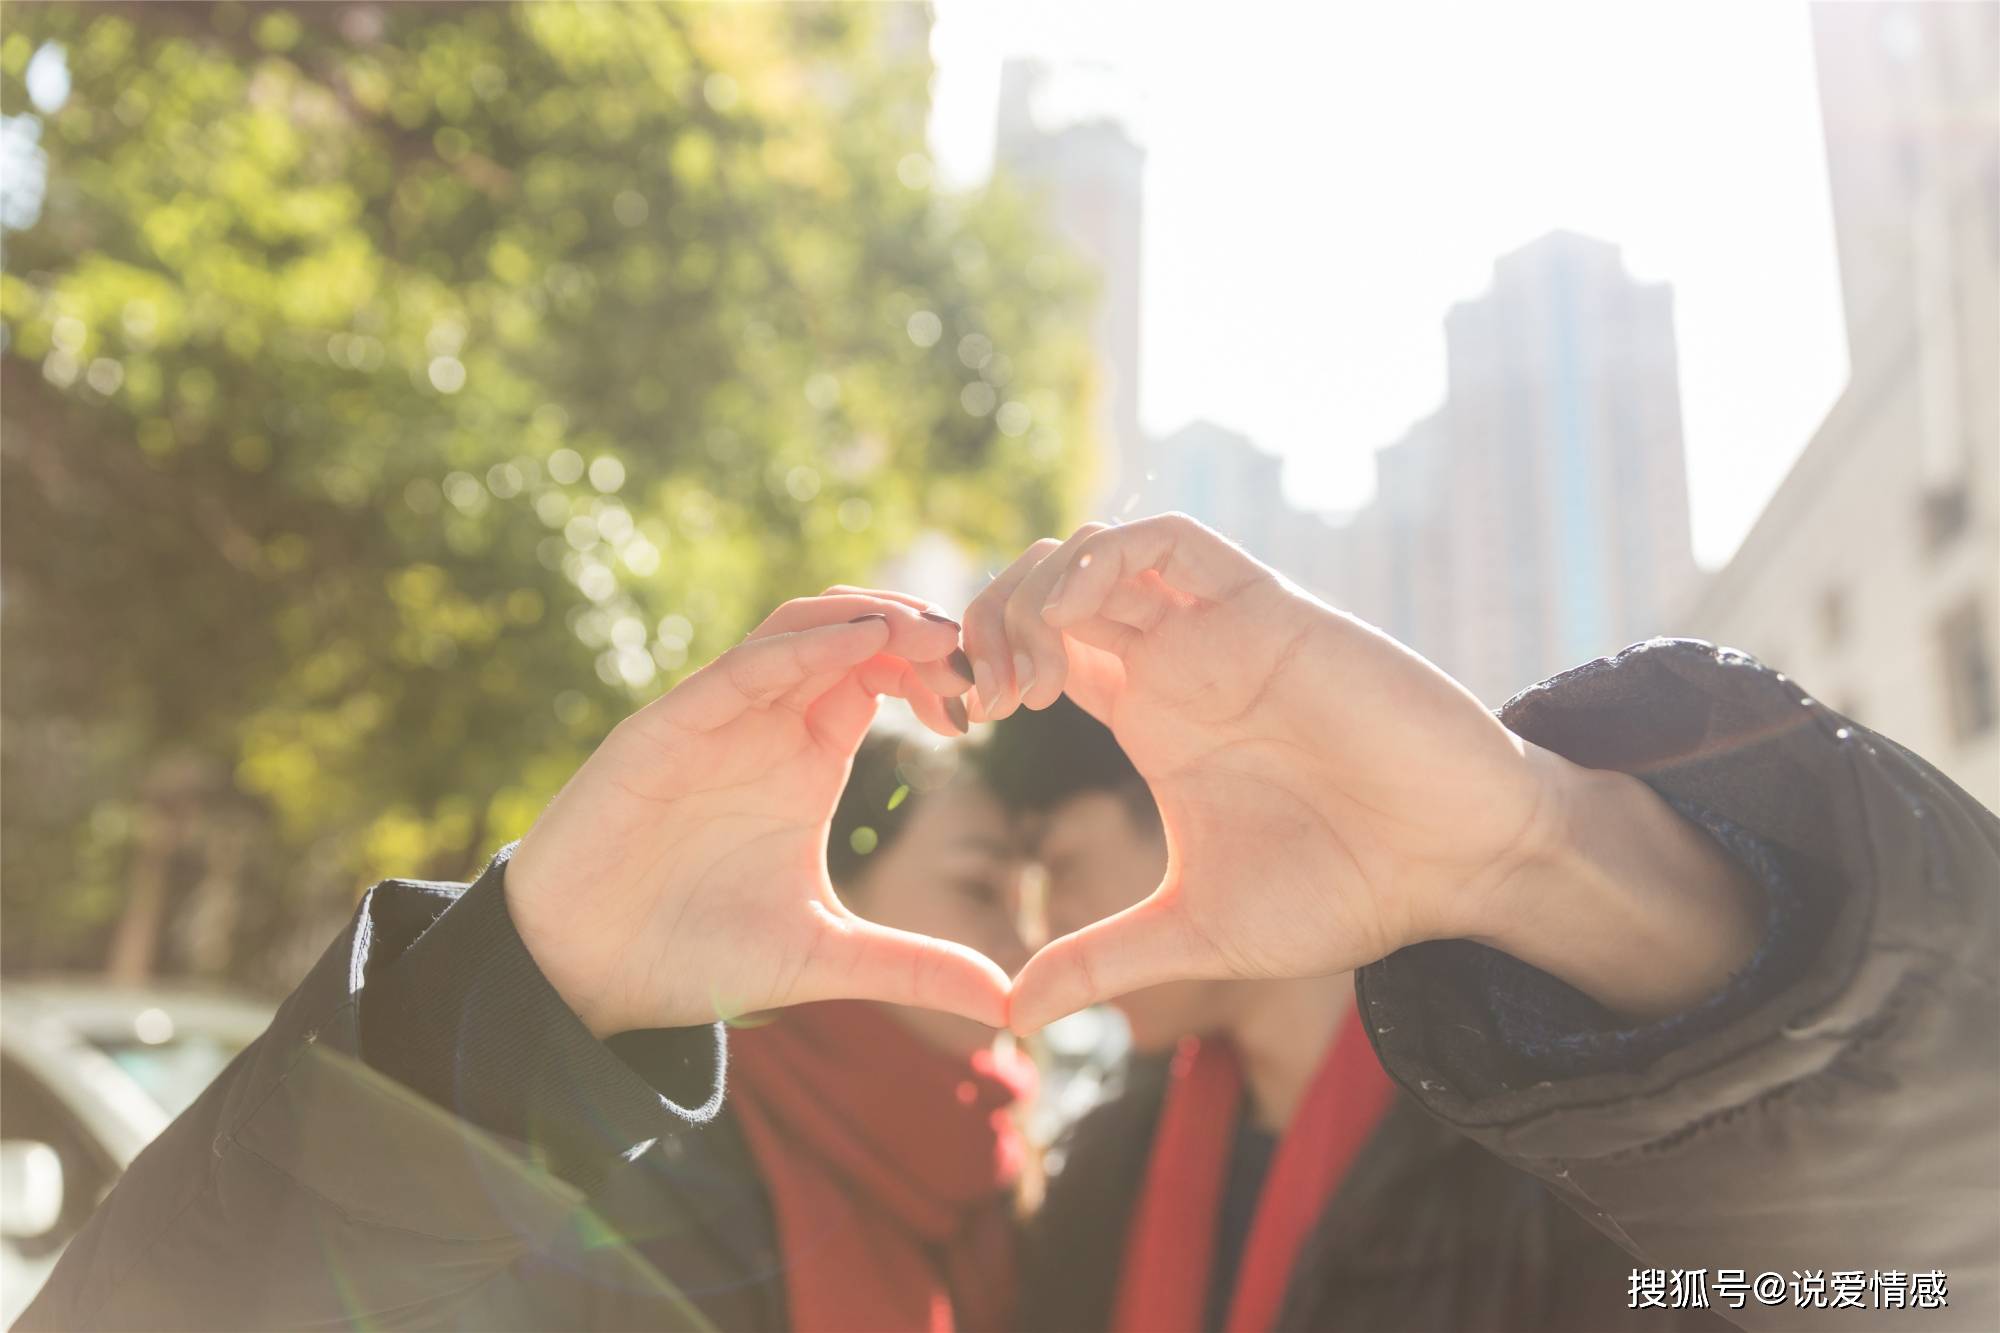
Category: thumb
[860,960]
[1144,945]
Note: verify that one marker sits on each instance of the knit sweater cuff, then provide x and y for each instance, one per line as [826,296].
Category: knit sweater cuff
[466,1018]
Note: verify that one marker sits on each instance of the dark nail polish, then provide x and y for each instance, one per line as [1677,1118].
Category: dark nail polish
[955,710]
[941,620]
[872,615]
[960,664]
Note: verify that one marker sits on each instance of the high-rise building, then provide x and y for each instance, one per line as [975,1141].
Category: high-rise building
[1539,516]
[1092,175]
[1564,479]
[1873,576]
[1218,476]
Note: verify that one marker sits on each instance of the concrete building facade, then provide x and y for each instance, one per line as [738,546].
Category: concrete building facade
[1092,176]
[1873,576]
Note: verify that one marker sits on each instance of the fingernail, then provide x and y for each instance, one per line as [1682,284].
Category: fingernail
[982,679]
[955,710]
[937,619]
[1024,674]
[961,666]
[872,615]
[1055,593]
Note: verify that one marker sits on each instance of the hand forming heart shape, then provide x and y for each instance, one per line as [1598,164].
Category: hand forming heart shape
[1328,797]
[681,874]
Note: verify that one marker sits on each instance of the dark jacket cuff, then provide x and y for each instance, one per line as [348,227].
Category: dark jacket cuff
[1553,1029]
[466,1018]
[1477,1036]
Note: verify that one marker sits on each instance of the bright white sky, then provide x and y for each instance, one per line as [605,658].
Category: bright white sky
[1324,180]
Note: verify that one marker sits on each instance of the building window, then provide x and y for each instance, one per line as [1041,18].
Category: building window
[1833,616]
[1971,689]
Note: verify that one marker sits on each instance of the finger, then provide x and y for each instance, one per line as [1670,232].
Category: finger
[1141,602]
[1037,648]
[891,675]
[759,672]
[985,634]
[951,675]
[839,718]
[1096,676]
[1101,632]
[839,715]
[910,600]
[1190,559]
[915,632]
[860,960]
[1145,945]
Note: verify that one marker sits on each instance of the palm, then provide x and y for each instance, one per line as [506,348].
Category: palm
[738,816]
[680,876]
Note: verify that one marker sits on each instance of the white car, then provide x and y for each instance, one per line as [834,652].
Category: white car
[90,1073]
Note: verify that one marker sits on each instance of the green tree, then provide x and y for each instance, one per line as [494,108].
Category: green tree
[394,395]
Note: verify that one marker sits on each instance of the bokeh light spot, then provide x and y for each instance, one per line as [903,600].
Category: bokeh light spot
[566,466]
[630,208]
[977,398]
[607,474]
[447,374]
[1014,418]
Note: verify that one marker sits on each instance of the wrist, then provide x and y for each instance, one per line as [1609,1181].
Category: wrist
[1615,893]
[579,984]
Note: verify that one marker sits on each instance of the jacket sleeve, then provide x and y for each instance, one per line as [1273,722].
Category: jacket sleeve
[1841,1116]
[411,1143]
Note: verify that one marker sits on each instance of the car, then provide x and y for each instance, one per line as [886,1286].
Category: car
[90,1073]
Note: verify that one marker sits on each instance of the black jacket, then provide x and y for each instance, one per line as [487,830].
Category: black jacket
[426,1137]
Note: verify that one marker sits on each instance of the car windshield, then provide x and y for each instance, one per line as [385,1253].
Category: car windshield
[174,1072]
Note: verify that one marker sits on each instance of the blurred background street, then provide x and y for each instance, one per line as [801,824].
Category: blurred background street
[392,397]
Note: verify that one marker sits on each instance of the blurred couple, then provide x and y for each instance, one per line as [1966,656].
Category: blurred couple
[1442,1019]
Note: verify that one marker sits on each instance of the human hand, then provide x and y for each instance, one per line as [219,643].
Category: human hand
[680,875]
[1328,795]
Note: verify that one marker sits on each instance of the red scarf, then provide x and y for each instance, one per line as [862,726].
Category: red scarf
[1170,1250]
[890,1166]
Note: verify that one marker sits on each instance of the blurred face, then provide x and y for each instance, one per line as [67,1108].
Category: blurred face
[1101,859]
[953,872]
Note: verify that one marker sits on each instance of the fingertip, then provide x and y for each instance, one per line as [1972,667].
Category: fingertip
[1024,675]
[985,688]
[985,998]
[1028,1001]
[1023,1021]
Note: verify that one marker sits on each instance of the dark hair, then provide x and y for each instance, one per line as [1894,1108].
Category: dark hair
[1037,761]
[871,815]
